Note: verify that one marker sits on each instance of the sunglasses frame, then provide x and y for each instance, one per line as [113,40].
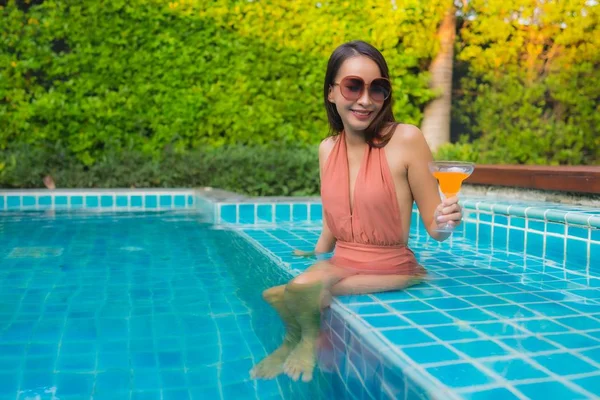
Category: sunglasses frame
[365,86]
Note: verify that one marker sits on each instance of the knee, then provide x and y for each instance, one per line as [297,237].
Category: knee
[304,279]
[273,293]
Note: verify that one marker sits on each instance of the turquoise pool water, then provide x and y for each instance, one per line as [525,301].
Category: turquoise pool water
[131,306]
[115,302]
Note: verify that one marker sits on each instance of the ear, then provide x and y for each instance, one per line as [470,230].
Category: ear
[330,95]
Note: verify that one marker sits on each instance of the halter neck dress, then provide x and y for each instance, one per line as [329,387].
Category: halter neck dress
[369,233]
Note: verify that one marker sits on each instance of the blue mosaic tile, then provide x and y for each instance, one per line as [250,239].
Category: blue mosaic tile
[28,201]
[516,369]
[282,212]
[595,255]
[368,309]
[425,318]
[453,332]
[485,217]
[43,201]
[386,321]
[500,237]
[151,201]
[90,201]
[316,212]
[74,384]
[61,201]
[460,375]
[409,305]
[448,303]
[472,315]
[264,212]
[106,201]
[516,240]
[136,201]
[542,326]
[491,394]
[13,202]
[577,253]
[564,364]
[165,200]
[500,220]
[179,201]
[535,244]
[591,384]
[581,323]
[406,336]
[430,354]
[555,228]
[548,391]
[484,234]
[517,222]
[573,340]
[480,348]
[496,329]
[528,344]
[2,202]
[228,213]
[246,213]
[299,212]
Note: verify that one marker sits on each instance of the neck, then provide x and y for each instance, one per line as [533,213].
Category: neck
[354,139]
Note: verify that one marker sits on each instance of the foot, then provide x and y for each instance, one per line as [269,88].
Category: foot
[272,365]
[301,361]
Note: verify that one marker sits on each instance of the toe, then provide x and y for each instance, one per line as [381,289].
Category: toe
[307,376]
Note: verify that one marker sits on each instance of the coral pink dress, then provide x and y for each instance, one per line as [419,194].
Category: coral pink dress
[369,234]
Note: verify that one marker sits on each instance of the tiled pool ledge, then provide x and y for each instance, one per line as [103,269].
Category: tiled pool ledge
[248,210]
[488,325]
[97,199]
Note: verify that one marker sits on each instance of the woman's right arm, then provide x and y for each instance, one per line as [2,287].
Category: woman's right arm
[326,242]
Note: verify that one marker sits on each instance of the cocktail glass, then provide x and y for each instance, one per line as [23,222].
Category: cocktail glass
[450,175]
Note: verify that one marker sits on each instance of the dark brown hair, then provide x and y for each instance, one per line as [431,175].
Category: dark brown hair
[378,133]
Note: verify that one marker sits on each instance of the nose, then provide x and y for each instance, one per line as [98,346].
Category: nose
[365,99]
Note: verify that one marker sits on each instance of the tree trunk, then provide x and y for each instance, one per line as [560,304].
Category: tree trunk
[436,119]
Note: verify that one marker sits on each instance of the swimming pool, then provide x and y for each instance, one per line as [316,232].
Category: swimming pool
[164,303]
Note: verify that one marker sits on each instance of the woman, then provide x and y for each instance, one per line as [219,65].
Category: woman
[372,169]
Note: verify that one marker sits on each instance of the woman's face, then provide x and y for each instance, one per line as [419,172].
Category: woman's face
[357,114]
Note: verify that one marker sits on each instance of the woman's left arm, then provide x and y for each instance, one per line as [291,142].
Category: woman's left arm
[424,188]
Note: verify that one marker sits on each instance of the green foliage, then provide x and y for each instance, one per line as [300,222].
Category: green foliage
[531,94]
[145,92]
[255,171]
[117,76]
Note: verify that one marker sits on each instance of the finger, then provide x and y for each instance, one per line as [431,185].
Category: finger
[450,200]
[450,217]
[451,209]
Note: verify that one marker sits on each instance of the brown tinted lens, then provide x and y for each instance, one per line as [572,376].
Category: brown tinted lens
[380,90]
[352,88]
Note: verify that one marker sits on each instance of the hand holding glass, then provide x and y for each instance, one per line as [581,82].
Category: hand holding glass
[450,175]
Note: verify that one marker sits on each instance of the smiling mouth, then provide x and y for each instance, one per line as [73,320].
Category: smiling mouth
[362,114]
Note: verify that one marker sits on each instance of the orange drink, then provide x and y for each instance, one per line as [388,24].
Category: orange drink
[450,182]
[450,176]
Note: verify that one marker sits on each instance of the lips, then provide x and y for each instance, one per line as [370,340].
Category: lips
[361,115]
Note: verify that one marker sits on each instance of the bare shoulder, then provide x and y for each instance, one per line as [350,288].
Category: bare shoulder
[326,146]
[410,141]
[408,134]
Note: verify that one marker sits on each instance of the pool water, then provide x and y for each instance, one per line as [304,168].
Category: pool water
[133,306]
[164,305]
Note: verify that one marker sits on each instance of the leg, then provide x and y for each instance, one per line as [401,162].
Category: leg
[272,366]
[305,296]
[363,284]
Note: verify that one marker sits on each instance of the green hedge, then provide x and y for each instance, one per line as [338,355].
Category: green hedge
[255,171]
[140,75]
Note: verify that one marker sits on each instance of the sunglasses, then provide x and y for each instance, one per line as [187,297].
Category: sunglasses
[353,87]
